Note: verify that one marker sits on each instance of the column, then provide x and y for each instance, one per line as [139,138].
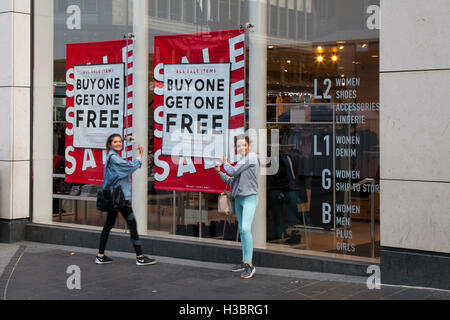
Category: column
[43,112]
[140,112]
[414,143]
[257,108]
[15,17]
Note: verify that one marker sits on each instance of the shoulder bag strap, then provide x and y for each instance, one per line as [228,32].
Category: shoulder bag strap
[106,167]
[107,162]
[228,185]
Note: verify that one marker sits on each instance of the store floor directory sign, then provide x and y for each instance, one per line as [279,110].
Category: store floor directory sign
[199,107]
[98,104]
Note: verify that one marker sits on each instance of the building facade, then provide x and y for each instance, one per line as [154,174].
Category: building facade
[353,89]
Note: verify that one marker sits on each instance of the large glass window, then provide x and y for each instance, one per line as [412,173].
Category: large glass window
[322,96]
[324,100]
[77,22]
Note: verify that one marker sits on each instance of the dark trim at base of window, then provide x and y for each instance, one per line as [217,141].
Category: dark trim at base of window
[13,230]
[193,250]
[415,268]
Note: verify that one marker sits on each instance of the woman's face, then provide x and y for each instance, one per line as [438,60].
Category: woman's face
[116,144]
[242,147]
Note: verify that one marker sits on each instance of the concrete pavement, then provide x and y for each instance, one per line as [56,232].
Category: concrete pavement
[37,271]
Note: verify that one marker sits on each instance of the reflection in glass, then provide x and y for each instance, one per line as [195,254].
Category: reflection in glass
[320,199]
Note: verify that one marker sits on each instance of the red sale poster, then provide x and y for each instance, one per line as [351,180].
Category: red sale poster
[199,107]
[99,102]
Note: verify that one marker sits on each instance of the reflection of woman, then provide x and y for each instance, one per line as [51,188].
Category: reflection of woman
[151,174]
[244,182]
[117,173]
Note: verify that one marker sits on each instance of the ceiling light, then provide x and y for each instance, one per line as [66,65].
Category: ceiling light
[334,58]
[319,58]
[341,47]
[288,61]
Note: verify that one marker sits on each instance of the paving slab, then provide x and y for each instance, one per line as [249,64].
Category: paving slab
[7,251]
[40,272]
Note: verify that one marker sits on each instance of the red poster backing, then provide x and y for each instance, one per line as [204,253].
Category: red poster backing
[93,53]
[188,48]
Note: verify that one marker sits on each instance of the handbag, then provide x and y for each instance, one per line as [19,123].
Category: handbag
[104,200]
[110,200]
[223,204]
[226,202]
[118,198]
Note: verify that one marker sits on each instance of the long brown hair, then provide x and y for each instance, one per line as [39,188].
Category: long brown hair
[110,139]
[242,136]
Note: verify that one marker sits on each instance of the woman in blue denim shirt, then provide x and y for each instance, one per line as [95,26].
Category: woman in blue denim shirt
[117,172]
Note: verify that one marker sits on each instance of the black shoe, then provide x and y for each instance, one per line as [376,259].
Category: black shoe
[238,268]
[143,261]
[102,260]
[248,272]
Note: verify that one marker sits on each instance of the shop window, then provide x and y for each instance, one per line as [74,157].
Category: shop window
[324,196]
[188,11]
[224,11]
[90,5]
[291,23]
[62,5]
[175,9]
[244,12]
[282,11]
[234,8]
[163,9]
[273,19]
[152,7]
[214,10]
[300,25]
[330,149]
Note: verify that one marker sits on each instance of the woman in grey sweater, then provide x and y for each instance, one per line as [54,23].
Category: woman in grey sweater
[243,177]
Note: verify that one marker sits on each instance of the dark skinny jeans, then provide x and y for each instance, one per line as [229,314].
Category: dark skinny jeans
[127,213]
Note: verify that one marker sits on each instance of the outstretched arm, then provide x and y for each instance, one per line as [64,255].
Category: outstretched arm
[127,167]
[223,176]
[226,179]
[240,166]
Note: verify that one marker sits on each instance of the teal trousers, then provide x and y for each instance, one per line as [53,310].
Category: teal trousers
[245,212]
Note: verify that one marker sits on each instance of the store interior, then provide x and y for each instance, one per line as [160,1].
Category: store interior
[294,196]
